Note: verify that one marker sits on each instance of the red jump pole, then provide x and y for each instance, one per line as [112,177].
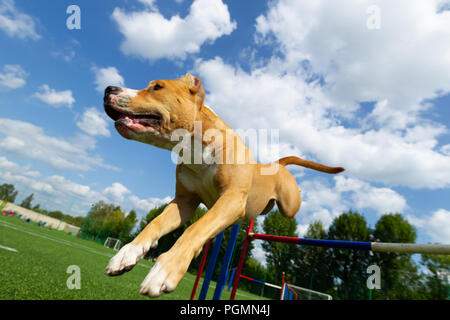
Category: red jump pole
[200,269]
[237,276]
[282,287]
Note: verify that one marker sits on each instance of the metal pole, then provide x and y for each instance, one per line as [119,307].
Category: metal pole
[241,261]
[230,282]
[226,263]
[265,278]
[200,269]
[359,245]
[211,265]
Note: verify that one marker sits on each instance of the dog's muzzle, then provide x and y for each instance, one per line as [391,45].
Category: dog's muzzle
[110,90]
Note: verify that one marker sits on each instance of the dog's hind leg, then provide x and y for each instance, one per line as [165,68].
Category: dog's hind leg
[177,212]
[288,193]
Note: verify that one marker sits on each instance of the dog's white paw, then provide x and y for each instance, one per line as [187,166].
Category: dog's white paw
[127,257]
[156,282]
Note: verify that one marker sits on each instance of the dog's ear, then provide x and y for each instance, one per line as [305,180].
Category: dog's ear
[195,88]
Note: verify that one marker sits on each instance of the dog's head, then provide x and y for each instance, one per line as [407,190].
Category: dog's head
[152,114]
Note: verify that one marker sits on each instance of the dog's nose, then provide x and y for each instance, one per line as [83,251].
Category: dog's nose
[112,89]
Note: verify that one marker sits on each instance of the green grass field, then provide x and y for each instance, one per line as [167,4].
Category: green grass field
[38,270]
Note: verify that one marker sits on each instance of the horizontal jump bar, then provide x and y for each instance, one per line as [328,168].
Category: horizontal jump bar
[358,245]
[264,283]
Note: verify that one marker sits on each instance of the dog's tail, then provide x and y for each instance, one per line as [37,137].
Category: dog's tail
[309,164]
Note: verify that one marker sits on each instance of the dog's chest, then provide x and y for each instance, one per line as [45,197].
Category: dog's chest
[200,180]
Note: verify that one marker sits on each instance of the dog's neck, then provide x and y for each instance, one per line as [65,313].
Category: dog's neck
[217,140]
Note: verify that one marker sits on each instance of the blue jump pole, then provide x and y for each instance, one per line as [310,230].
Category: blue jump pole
[211,265]
[230,282]
[226,263]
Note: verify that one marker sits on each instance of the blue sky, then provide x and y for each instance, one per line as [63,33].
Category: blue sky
[352,84]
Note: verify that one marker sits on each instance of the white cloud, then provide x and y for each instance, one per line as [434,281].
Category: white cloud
[116,192]
[52,192]
[363,195]
[55,98]
[446,150]
[145,205]
[149,35]
[13,76]
[67,54]
[8,165]
[437,225]
[73,189]
[94,123]
[31,142]
[15,23]
[57,192]
[12,172]
[105,77]
[302,229]
[258,253]
[401,63]
[308,120]
[325,202]
[150,4]
[309,92]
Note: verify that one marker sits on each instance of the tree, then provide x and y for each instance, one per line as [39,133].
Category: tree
[437,281]
[279,255]
[8,192]
[108,220]
[348,267]
[56,214]
[26,203]
[76,221]
[396,269]
[311,265]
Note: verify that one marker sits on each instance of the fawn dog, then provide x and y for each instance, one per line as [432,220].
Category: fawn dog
[233,186]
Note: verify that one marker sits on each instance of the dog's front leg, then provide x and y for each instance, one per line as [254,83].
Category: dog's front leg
[171,266]
[179,211]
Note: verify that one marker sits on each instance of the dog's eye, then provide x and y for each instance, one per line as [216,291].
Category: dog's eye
[157,87]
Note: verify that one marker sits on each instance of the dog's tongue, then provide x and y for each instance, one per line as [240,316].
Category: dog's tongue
[130,119]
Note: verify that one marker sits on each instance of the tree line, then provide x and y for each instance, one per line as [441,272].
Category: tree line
[343,272]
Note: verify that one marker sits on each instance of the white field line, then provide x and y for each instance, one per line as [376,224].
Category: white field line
[60,241]
[76,245]
[8,248]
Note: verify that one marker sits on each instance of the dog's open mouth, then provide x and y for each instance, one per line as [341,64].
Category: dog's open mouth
[135,122]
[147,120]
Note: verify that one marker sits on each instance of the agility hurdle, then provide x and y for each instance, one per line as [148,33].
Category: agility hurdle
[285,286]
[352,245]
[233,271]
[212,263]
[285,289]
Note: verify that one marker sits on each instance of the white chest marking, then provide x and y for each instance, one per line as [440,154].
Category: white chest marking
[200,180]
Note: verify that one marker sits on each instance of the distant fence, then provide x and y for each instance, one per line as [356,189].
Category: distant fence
[38,217]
